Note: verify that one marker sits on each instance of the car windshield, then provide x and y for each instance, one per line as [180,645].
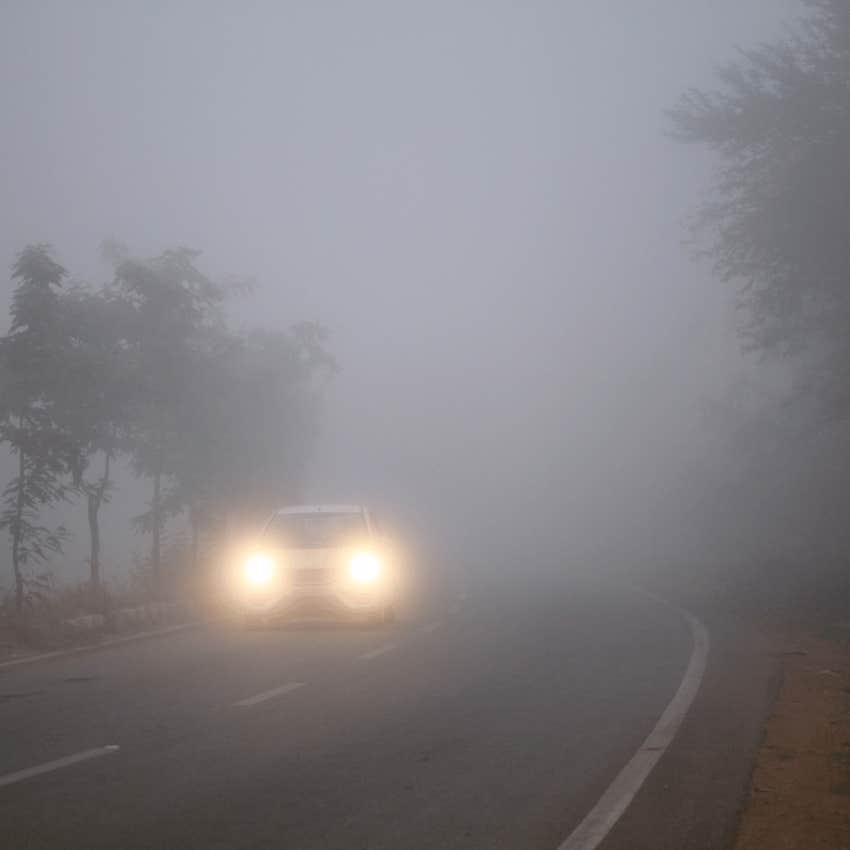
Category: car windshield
[299,531]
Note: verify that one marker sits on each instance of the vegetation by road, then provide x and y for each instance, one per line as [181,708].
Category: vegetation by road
[144,369]
[775,226]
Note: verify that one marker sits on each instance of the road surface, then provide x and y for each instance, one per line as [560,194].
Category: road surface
[495,723]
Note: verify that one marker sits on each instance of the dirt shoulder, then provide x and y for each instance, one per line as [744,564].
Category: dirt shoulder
[800,791]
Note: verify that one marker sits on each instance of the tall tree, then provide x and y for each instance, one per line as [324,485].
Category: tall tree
[777,218]
[277,375]
[96,396]
[247,422]
[176,308]
[32,355]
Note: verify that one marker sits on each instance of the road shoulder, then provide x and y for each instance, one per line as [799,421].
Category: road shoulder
[800,790]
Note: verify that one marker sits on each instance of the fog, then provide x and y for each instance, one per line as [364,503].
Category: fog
[479,201]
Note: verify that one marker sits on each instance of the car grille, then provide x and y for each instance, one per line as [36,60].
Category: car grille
[311,577]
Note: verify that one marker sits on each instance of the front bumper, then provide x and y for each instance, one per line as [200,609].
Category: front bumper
[330,605]
[325,603]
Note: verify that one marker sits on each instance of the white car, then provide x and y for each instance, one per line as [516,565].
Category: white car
[319,562]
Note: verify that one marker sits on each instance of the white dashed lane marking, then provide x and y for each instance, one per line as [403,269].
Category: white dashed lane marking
[274,692]
[57,764]
[374,653]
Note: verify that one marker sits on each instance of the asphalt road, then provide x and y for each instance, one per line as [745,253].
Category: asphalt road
[497,723]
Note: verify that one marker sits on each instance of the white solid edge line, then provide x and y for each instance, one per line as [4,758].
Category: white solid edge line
[381,650]
[274,692]
[57,764]
[611,805]
[87,648]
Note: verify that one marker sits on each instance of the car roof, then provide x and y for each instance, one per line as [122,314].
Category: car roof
[321,509]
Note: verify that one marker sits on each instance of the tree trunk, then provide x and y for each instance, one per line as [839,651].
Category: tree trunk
[156,511]
[94,541]
[196,537]
[95,500]
[16,533]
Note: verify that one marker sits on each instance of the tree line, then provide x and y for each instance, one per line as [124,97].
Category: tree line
[776,225]
[144,369]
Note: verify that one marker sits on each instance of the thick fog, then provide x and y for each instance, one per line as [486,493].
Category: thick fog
[477,199]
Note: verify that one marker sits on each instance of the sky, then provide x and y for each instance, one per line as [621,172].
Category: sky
[478,199]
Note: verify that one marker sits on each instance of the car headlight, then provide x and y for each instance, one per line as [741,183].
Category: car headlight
[364,568]
[259,570]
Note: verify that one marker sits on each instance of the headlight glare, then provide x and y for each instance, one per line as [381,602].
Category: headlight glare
[259,570]
[364,568]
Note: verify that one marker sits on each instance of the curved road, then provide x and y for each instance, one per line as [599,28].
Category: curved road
[496,724]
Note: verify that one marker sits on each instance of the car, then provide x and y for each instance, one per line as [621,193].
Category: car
[319,562]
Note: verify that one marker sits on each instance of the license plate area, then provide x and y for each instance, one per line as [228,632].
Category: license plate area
[310,577]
